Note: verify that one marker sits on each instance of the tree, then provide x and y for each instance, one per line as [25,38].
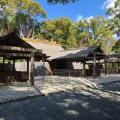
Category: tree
[28,13]
[114,12]
[6,17]
[60,30]
[61,1]
[116,47]
[21,15]
[95,32]
[83,34]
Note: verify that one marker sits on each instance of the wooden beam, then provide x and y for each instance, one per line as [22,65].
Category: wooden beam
[21,49]
[32,69]
[14,54]
[97,57]
[98,53]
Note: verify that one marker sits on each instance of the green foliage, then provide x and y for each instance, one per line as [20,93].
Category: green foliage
[116,47]
[78,34]
[115,23]
[59,30]
[94,32]
[71,41]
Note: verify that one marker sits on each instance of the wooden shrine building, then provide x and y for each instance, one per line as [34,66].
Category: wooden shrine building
[13,48]
[87,58]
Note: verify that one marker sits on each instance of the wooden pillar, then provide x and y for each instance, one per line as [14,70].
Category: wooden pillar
[94,65]
[112,66]
[99,66]
[43,68]
[109,68]
[69,68]
[105,66]
[28,68]
[55,68]
[84,74]
[32,69]
[117,68]
[13,65]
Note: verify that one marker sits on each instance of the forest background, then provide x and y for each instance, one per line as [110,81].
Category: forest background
[23,17]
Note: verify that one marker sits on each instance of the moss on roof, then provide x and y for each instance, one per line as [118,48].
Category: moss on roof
[43,41]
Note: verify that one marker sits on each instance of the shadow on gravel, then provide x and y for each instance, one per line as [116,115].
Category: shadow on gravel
[113,86]
[85,104]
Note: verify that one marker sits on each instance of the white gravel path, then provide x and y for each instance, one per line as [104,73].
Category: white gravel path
[17,91]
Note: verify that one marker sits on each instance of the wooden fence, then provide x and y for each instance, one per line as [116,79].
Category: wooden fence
[75,72]
[9,76]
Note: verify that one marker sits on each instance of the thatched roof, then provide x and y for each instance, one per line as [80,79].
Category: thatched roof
[49,48]
[77,53]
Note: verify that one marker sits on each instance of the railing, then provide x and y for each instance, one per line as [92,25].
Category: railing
[9,76]
[111,71]
[75,72]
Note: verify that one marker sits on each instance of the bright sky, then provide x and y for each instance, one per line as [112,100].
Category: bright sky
[75,11]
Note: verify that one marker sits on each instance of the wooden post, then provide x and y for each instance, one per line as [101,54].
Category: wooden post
[43,68]
[117,68]
[84,74]
[3,64]
[13,65]
[94,65]
[32,69]
[109,68]
[105,66]
[99,66]
[55,68]
[28,68]
[69,68]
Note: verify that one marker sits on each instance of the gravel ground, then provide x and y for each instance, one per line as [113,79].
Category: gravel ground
[102,103]
[17,91]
